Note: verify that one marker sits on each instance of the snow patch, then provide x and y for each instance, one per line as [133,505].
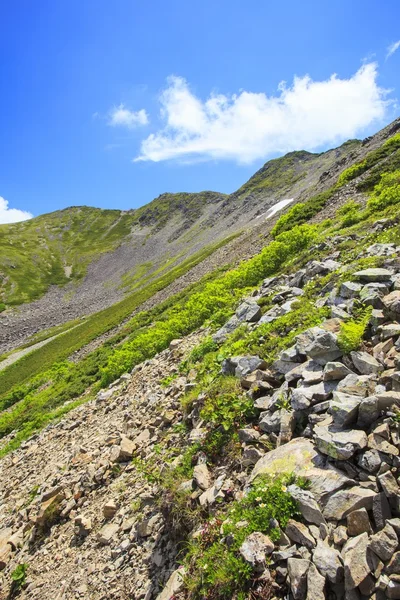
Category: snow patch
[274,209]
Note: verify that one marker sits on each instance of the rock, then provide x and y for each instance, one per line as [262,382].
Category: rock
[392,302]
[393,589]
[127,449]
[340,445]
[315,584]
[202,477]
[394,565]
[368,412]
[374,274]
[357,562]
[381,510]
[307,504]
[83,525]
[328,562]
[358,522]
[299,533]
[240,366]
[343,502]
[388,331]
[344,408]
[251,455]
[365,363]
[384,543]
[173,585]
[255,549]
[389,484]
[297,570]
[271,423]
[109,509]
[377,442]
[335,370]
[107,533]
[249,312]
[49,510]
[222,333]
[319,344]
[209,497]
[298,456]
[350,289]
[356,385]
[370,461]
[248,436]
[5,555]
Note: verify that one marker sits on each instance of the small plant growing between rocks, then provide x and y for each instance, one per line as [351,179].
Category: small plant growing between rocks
[18,577]
[352,331]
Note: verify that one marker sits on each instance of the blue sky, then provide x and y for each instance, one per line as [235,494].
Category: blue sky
[110,104]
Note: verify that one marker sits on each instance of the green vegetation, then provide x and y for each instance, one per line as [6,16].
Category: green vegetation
[18,578]
[2,307]
[352,331]
[386,192]
[214,567]
[302,212]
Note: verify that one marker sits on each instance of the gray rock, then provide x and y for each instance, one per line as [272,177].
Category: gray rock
[328,562]
[393,589]
[222,333]
[392,302]
[271,423]
[381,510]
[374,274]
[307,504]
[365,363]
[315,584]
[340,445]
[350,289]
[251,456]
[389,484]
[335,370]
[357,385]
[394,565]
[319,344]
[370,461]
[343,502]
[368,412]
[297,570]
[255,549]
[173,585]
[202,477]
[249,312]
[298,456]
[358,522]
[344,408]
[240,366]
[107,533]
[248,436]
[357,562]
[384,543]
[299,533]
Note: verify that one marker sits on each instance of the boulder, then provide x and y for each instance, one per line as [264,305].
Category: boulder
[319,344]
[201,476]
[384,543]
[365,363]
[373,274]
[380,510]
[350,289]
[298,456]
[308,506]
[299,533]
[340,445]
[328,562]
[335,370]
[315,584]
[343,502]
[297,571]
[357,385]
[107,533]
[357,561]
[173,585]
[229,327]
[358,522]
[255,549]
[5,555]
[392,302]
[249,312]
[344,408]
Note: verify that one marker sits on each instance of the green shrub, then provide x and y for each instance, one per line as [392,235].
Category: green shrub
[215,569]
[386,192]
[18,577]
[352,172]
[302,212]
[352,331]
[226,405]
[2,307]
[349,214]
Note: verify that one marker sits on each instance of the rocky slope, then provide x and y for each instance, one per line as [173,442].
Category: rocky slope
[80,260]
[255,458]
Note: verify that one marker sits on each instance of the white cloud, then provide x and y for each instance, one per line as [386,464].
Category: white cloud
[12,215]
[248,126]
[392,49]
[121,116]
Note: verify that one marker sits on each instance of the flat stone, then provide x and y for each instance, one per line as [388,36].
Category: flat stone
[340,445]
[350,289]
[109,509]
[5,555]
[384,543]
[392,302]
[319,344]
[394,565]
[335,370]
[248,436]
[343,502]
[389,331]
[357,385]
[299,534]
[389,484]
[107,533]
[373,274]
[127,448]
[328,562]
[365,363]
[358,522]
[297,571]
[298,456]
[377,442]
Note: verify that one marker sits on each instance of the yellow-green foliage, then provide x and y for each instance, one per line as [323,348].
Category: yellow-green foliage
[352,331]
[386,192]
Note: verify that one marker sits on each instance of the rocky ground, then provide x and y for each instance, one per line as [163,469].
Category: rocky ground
[78,508]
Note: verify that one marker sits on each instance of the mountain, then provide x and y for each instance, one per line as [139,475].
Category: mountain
[74,262]
[229,428]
